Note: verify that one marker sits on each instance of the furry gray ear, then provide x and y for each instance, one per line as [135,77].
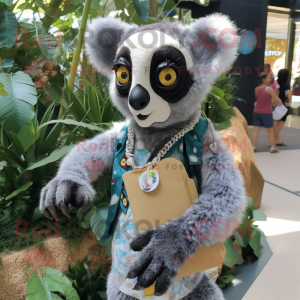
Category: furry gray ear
[213,44]
[102,39]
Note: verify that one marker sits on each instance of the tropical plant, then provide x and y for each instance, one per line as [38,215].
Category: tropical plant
[226,278]
[50,284]
[16,106]
[221,100]
[91,105]
[8,24]
[245,242]
[22,151]
[146,12]
[3,92]
[7,229]
[243,245]
[97,215]
[89,285]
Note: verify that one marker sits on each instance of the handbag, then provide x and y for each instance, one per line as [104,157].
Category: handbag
[173,195]
[279,111]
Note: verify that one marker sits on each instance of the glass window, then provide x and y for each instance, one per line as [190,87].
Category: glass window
[276,41]
[295,82]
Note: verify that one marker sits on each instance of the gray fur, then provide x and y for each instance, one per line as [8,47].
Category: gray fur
[73,176]
[223,195]
[110,32]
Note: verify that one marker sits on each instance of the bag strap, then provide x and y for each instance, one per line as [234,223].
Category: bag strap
[258,94]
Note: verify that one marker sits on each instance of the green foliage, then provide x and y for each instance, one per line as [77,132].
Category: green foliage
[25,155]
[187,18]
[225,279]
[11,239]
[28,161]
[65,52]
[91,105]
[7,2]
[3,92]
[142,9]
[8,25]
[35,41]
[6,229]
[97,215]
[247,237]
[16,108]
[202,2]
[54,156]
[232,256]
[89,285]
[221,100]
[44,286]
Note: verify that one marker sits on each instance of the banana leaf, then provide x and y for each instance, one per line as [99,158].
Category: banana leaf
[232,257]
[54,156]
[142,8]
[19,190]
[27,136]
[8,25]
[7,2]
[16,108]
[82,124]
[53,281]
[3,92]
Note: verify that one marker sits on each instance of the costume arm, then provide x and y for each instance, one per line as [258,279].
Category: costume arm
[220,206]
[72,183]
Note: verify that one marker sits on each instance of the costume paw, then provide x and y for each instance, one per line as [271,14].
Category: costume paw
[58,195]
[158,259]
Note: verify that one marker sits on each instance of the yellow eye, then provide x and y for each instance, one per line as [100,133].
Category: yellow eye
[123,75]
[167,76]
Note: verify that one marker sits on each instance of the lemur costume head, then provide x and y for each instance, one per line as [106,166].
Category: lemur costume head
[161,72]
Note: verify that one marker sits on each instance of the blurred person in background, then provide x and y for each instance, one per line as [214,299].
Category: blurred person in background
[267,69]
[285,96]
[274,84]
[262,115]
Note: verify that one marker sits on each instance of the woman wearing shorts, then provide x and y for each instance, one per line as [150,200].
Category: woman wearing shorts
[262,115]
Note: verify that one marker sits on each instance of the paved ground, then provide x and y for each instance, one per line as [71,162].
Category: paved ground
[290,135]
[280,279]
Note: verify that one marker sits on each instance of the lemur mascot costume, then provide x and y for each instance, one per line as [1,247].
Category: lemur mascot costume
[159,75]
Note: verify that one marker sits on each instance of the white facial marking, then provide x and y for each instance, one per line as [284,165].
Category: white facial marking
[142,46]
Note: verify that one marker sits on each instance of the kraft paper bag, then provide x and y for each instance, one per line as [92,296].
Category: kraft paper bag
[174,194]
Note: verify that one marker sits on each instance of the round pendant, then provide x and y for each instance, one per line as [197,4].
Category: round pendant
[149,180]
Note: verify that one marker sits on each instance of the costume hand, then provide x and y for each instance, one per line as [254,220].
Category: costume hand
[57,195]
[159,259]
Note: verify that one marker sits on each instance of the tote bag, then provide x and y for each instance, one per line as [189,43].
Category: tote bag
[279,111]
[174,194]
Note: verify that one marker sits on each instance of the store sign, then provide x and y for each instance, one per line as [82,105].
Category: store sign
[273,53]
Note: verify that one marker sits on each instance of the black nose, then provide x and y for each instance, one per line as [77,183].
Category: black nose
[139,97]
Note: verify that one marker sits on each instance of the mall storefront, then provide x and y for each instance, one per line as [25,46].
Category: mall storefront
[282,48]
[271,35]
